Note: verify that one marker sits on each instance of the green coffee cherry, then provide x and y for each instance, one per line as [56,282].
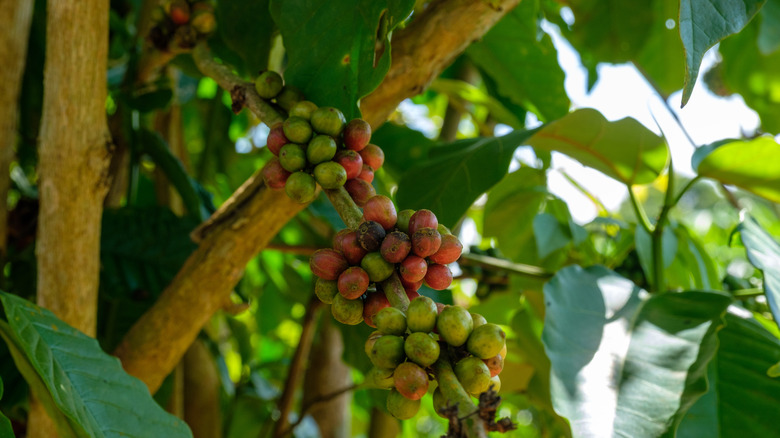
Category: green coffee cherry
[421,315]
[321,148]
[269,84]
[288,97]
[455,325]
[297,130]
[388,351]
[349,312]
[326,290]
[378,268]
[401,407]
[473,374]
[391,321]
[330,175]
[301,187]
[328,120]
[303,109]
[486,341]
[421,349]
[292,157]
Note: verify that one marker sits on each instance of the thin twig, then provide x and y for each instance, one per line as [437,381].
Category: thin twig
[504,265]
[639,211]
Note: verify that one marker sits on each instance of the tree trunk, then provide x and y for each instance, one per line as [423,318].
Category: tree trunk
[383,425]
[201,393]
[73,162]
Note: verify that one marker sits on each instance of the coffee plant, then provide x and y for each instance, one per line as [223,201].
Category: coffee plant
[274,218]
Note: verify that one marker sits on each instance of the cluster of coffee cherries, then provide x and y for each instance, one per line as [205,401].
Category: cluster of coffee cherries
[315,145]
[411,243]
[179,24]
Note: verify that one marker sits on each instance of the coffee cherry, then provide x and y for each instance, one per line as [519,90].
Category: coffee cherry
[443,230]
[422,219]
[373,156]
[403,220]
[339,238]
[326,290]
[351,161]
[421,349]
[327,264]
[351,248]
[330,175]
[276,139]
[503,351]
[357,134]
[380,378]
[486,341]
[203,19]
[375,302]
[371,340]
[449,251]
[473,374]
[360,191]
[303,109]
[439,402]
[421,315]
[376,267]
[328,120]
[438,277]
[349,312]
[388,351]
[413,268]
[366,174]
[179,11]
[401,407]
[395,247]
[412,288]
[370,235]
[297,130]
[391,321]
[440,307]
[411,294]
[495,382]
[410,380]
[454,324]
[274,175]
[301,187]
[288,97]
[478,319]
[321,148]
[495,364]
[425,242]
[269,84]
[353,283]
[380,209]
[292,157]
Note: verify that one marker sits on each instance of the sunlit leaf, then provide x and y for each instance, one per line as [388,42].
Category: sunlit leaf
[625,363]
[662,58]
[763,252]
[624,150]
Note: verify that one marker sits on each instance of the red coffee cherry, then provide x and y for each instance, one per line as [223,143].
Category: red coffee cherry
[413,268]
[426,241]
[274,174]
[422,219]
[357,134]
[350,247]
[366,174]
[375,301]
[411,380]
[276,138]
[360,191]
[338,239]
[373,156]
[380,209]
[438,277]
[449,251]
[353,283]
[395,247]
[327,264]
[351,161]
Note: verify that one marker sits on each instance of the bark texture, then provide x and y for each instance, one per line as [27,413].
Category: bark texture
[201,393]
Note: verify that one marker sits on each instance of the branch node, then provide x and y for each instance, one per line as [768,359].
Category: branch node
[238,96]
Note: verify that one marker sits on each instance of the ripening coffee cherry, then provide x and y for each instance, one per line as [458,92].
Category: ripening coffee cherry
[269,84]
[376,267]
[321,148]
[403,220]
[371,340]
[288,97]
[375,301]
[179,11]
[350,247]
[396,247]
[274,175]
[357,134]
[473,374]
[327,264]
[422,219]
[425,242]
[292,157]
[486,341]
[411,294]
[328,120]
[387,351]
[455,325]
[401,407]
[391,321]
[297,130]
[478,319]
[301,187]
[353,282]
[380,209]
[303,109]
[495,364]
[373,156]
[338,239]
[326,290]
[449,251]
[411,288]
[360,191]
[351,161]
[349,312]
[438,277]
[330,175]
[370,235]
[276,139]
[410,380]
[413,268]
[380,378]
[366,174]
[421,315]
[421,349]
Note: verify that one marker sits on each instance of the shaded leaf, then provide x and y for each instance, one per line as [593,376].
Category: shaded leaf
[451,181]
[6,431]
[87,385]
[457,89]
[769,30]
[402,146]
[624,150]
[753,165]
[550,234]
[625,363]
[763,252]
[662,58]
[704,23]
[244,32]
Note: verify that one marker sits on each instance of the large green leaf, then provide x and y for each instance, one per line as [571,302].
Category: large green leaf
[742,399]
[703,23]
[338,51]
[763,252]
[625,363]
[769,30]
[88,386]
[624,150]
[402,146]
[245,29]
[6,431]
[753,165]
[453,179]
[523,62]
[662,58]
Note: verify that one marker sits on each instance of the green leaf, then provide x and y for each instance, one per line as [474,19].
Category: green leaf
[704,23]
[550,234]
[662,58]
[769,30]
[523,62]
[624,150]
[763,252]
[457,89]
[450,182]
[88,386]
[244,33]
[6,431]
[150,101]
[741,400]
[625,363]
[338,51]
[402,146]
[753,165]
